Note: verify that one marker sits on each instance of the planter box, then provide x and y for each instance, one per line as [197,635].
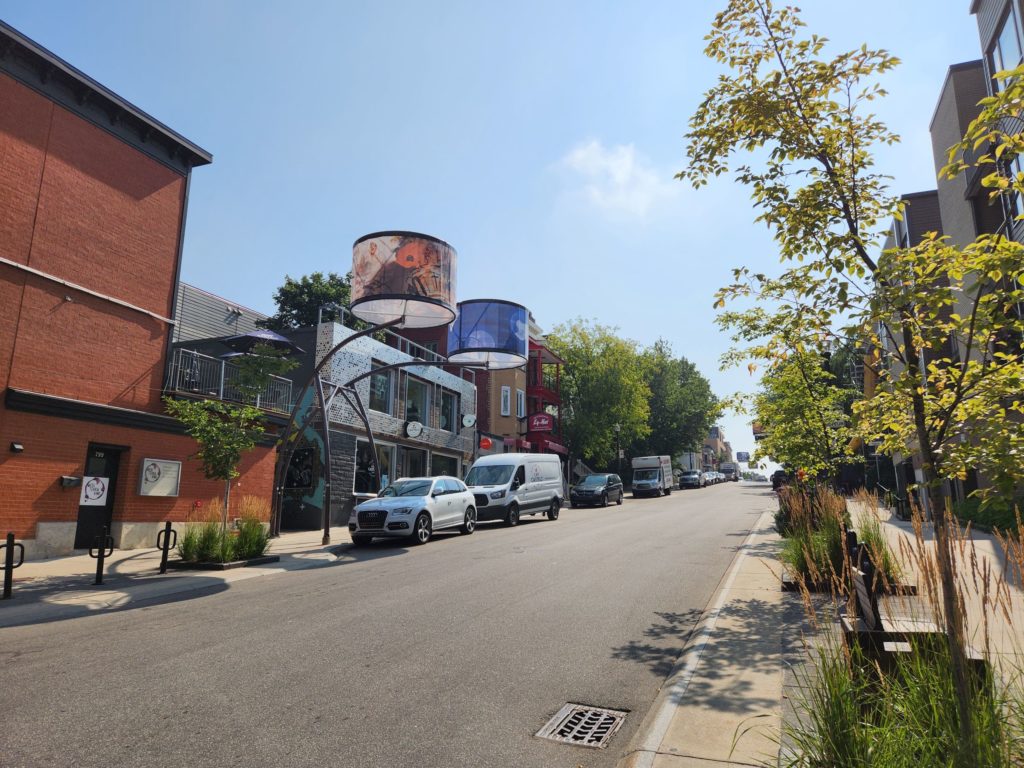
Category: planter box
[183,565]
[791,584]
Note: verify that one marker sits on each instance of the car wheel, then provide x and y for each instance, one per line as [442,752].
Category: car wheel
[361,541]
[668,491]
[573,504]
[553,510]
[621,494]
[469,522]
[512,516]
[604,499]
[421,529]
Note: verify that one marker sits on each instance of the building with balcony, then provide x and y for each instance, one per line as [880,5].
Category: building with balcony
[418,416]
[93,196]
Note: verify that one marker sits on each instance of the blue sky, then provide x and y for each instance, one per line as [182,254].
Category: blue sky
[538,138]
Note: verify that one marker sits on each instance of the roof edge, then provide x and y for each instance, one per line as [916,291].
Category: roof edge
[88,89]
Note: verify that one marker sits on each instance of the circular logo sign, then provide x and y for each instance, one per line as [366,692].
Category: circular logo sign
[468,420]
[414,429]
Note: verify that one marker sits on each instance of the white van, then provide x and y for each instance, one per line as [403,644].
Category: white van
[509,485]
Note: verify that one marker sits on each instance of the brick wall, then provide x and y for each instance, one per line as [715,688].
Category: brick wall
[55,447]
[82,206]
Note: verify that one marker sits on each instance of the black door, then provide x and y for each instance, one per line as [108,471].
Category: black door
[100,462]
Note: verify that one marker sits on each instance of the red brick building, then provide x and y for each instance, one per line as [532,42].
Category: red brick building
[93,196]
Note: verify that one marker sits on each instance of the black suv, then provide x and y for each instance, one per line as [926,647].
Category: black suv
[596,489]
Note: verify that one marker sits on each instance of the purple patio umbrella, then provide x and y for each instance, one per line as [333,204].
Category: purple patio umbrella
[244,342]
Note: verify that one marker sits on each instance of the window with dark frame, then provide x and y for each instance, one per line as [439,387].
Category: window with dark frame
[380,390]
[1006,53]
[449,411]
[417,399]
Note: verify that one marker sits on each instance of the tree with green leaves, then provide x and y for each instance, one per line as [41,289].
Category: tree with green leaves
[224,431]
[682,407]
[804,115]
[255,368]
[299,301]
[805,413]
[602,385]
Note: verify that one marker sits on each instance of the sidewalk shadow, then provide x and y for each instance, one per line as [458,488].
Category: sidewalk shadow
[750,636]
[50,599]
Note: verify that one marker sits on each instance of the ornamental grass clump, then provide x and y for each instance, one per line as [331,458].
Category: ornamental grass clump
[851,711]
[816,521]
[869,533]
[901,709]
[253,536]
[207,541]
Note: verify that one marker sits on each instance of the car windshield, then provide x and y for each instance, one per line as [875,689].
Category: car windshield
[595,480]
[408,488]
[645,474]
[691,473]
[492,474]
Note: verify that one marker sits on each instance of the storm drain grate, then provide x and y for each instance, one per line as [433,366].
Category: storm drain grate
[582,725]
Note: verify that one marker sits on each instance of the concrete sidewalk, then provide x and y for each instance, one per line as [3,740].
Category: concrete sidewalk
[722,704]
[63,587]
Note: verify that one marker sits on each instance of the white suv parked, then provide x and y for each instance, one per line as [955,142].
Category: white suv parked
[416,507]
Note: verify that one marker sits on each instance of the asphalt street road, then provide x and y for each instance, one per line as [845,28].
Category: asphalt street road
[451,654]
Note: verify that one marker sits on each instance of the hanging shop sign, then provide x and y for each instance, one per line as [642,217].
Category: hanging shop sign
[542,422]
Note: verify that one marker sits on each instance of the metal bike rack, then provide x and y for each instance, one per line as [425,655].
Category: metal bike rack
[166,540]
[9,565]
[101,549]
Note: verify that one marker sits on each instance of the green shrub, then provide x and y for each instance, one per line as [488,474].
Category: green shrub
[208,547]
[188,545]
[995,513]
[252,539]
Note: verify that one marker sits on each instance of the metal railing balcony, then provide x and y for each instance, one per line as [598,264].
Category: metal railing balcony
[196,374]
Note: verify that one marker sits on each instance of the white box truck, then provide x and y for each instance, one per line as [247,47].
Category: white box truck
[652,476]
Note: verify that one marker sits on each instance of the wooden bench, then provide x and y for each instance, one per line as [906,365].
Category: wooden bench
[880,635]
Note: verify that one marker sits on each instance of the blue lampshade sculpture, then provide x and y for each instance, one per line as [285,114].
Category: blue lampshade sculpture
[490,333]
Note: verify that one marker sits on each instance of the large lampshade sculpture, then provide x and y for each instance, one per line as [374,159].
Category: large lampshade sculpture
[399,280]
[489,333]
[403,275]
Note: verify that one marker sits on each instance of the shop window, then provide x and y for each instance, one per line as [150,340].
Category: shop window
[506,401]
[444,465]
[449,411]
[365,480]
[417,400]
[380,390]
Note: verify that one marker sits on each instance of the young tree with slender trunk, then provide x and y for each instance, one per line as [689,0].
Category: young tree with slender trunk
[804,117]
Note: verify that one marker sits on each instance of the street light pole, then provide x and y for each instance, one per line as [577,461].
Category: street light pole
[618,454]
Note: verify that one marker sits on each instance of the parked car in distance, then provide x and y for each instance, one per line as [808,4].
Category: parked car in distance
[692,478]
[779,478]
[596,489]
[713,477]
[414,507]
[508,485]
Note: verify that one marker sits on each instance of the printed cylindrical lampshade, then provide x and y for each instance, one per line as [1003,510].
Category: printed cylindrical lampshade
[403,275]
[489,332]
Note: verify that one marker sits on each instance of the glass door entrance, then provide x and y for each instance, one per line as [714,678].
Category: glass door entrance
[412,462]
